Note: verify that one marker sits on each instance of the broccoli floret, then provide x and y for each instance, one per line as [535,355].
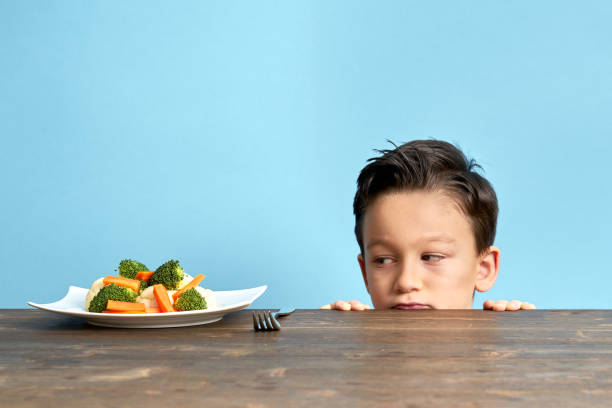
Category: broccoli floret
[190,300]
[111,292]
[129,268]
[143,286]
[169,274]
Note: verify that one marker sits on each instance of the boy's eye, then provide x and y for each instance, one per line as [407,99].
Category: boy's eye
[382,260]
[432,258]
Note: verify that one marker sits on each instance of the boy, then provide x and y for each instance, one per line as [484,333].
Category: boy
[425,222]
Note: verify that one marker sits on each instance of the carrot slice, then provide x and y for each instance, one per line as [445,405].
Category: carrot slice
[163,300]
[152,309]
[195,282]
[122,312]
[117,306]
[144,275]
[133,284]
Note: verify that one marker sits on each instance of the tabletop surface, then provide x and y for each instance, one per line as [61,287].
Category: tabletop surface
[378,358]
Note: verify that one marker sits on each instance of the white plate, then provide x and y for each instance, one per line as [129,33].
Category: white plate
[73,304]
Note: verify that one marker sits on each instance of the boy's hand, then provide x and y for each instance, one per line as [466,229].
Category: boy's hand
[342,305]
[504,305]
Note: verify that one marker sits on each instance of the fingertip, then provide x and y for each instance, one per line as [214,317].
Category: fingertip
[356,305]
[500,305]
[514,305]
[527,306]
[326,307]
[338,304]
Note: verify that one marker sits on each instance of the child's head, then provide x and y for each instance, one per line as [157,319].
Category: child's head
[425,223]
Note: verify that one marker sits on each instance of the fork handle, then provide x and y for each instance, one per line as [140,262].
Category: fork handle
[284,311]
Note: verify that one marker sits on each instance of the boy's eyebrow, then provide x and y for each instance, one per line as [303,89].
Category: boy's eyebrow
[438,237]
[426,238]
[382,242]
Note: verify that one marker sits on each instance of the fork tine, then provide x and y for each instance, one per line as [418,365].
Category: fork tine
[262,323]
[273,321]
[255,324]
[268,321]
[265,321]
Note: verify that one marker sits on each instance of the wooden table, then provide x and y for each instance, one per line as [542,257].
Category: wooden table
[383,358]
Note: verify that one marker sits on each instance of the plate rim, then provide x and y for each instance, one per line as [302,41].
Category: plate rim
[225,309]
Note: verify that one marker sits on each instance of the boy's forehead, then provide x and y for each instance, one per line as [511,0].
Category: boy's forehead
[432,237]
[417,215]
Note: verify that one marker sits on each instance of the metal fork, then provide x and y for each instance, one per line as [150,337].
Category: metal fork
[267,321]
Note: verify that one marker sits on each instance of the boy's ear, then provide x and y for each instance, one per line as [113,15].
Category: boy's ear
[363,271]
[488,268]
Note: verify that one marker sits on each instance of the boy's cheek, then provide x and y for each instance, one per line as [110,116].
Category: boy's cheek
[377,302]
[379,294]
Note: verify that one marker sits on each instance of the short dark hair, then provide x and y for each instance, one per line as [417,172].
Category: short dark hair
[429,165]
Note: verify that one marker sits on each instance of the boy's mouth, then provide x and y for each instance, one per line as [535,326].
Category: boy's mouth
[411,306]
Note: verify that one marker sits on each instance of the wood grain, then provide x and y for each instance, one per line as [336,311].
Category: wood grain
[380,358]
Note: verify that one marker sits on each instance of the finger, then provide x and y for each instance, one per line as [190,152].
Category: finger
[527,306]
[500,305]
[327,307]
[341,305]
[488,304]
[356,305]
[367,307]
[514,305]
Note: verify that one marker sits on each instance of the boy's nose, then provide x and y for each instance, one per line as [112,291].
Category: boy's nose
[409,279]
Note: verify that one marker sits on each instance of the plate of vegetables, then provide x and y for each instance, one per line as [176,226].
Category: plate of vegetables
[141,298]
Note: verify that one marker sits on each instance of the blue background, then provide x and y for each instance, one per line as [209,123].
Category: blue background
[229,135]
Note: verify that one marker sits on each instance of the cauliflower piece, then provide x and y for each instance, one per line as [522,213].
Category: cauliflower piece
[211,300]
[186,279]
[95,288]
[148,297]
